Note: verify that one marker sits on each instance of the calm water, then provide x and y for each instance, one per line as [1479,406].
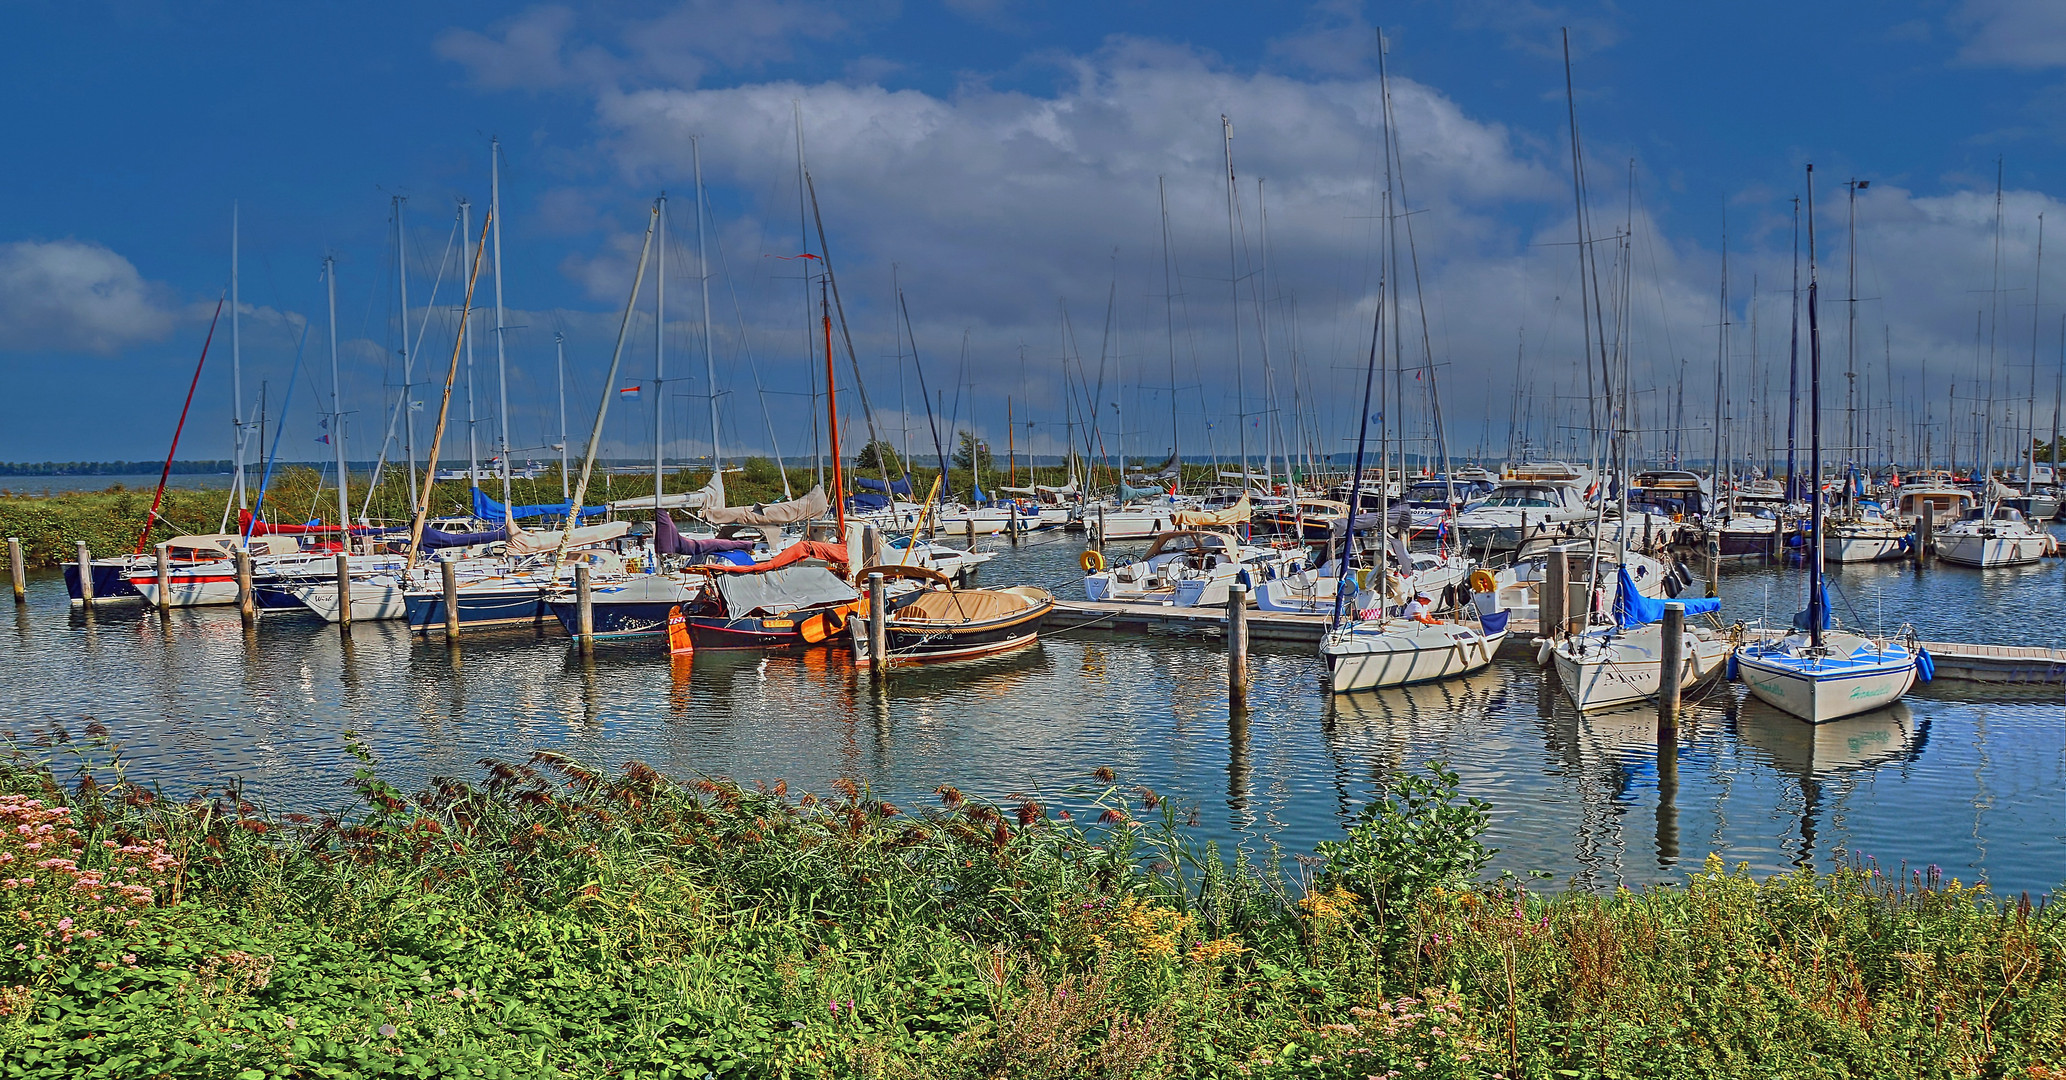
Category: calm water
[1970,778]
[43,485]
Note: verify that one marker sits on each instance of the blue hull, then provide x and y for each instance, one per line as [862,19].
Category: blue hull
[108,582]
[513,608]
[633,618]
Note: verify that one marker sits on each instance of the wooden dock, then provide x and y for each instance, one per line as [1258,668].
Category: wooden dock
[1955,661]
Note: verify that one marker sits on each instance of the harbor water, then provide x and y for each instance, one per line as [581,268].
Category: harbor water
[1967,777]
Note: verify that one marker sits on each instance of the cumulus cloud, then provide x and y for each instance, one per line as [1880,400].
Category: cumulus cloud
[551,46]
[77,296]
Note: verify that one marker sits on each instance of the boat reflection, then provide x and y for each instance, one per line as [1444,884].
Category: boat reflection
[1833,755]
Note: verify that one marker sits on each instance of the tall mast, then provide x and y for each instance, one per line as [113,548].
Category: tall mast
[337,402]
[466,254]
[1851,338]
[1261,291]
[1234,284]
[832,411]
[559,350]
[659,357]
[408,355]
[1169,320]
[1721,364]
[237,362]
[2030,423]
[803,231]
[1793,359]
[717,472]
[1815,612]
[501,366]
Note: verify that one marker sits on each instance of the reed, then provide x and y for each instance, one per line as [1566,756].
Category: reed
[550,918]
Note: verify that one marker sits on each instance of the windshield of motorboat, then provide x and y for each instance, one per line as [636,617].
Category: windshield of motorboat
[1522,497]
[1435,494]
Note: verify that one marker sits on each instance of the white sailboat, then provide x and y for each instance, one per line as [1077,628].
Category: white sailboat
[1818,675]
[1624,662]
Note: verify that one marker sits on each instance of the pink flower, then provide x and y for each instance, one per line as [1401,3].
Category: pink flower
[64,923]
[130,959]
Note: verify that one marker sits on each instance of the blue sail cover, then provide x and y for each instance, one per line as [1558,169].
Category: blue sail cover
[488,509]
[895,487]
[436,540]
[1632,609]
[1800,621]
[1128,493]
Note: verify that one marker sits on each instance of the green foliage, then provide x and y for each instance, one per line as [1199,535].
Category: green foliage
[1421,834]
[878,458]
[969,451]
[554,920]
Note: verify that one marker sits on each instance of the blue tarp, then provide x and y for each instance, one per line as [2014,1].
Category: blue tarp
[867,502]
[1632,608]
[488,509]
[895,487]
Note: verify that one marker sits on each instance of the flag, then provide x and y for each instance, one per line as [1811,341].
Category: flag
[416,406]
[324,439]
[627,391]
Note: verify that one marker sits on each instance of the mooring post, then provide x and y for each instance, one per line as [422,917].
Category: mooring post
[344,591]
[584,610]
[1237,645]
[871,547]
[1098,541]
[878,629]
[1927,549]
[1714,565]
[85,558]
[164,553]
[247,604]
[1671,660]
[1550,600]
[971,524]
[16,572]
[448,568]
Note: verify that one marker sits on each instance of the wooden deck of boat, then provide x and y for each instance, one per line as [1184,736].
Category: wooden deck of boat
[1954,660]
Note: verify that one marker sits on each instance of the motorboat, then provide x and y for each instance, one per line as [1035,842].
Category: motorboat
[1864,535]
[1311,591]
[1132,521]
[1303,519]
[2000,537]
[937,621]
[1522,509]
[1518,585]
[1937,496]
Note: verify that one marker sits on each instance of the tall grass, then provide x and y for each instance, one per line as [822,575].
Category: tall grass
[548,918]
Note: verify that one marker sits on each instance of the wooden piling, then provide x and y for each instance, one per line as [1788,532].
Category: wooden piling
[878,629]
[247,604]
[1553,593]
[1098,539]
[448,569]
[1237,645]
[17,573]
[1672,662]
[164,553]
[1926,549]
[584,610]
[1714,566]
[85,574]
[344,591]
[971,524]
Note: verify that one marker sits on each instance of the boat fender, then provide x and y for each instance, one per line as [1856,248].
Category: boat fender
[1729,674]
[1092,561]
[1542,653]
[1925,668]
[1482,581]
[1246,579]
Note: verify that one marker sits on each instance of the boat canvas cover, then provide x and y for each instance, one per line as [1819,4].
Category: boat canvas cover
[793,512]
[1228,515]
[899,487]
[1632,608]
[668,540]
[791,555]
[966,606]
[1129,493]
[708,496]
[526,542]
[789,588]
[437,539]
[488,509]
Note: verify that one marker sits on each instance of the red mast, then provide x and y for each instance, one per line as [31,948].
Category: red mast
[832,414]
[144,537]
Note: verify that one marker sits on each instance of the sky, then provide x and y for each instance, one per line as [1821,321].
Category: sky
[1010,167]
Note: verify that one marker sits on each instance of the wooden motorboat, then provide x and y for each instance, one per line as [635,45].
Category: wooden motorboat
[937,621]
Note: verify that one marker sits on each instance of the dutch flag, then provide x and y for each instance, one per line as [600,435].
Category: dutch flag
[627,391]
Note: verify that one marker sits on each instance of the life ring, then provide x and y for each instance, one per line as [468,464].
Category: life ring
[1092,562]
[1482,581]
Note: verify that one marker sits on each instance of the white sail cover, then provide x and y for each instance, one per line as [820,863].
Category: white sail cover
[793,512]
[526,542]
[712,496]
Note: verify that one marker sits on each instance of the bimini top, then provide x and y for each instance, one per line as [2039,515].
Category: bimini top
[1195,539]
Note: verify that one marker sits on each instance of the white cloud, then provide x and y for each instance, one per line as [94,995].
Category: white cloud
[2013,33]
[551,46]
[77,296]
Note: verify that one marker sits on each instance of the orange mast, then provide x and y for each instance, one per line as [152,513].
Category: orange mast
[832,414]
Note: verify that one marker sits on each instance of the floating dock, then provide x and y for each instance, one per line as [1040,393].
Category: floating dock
[2001,664]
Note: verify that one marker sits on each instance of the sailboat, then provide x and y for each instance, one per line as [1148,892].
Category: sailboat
[1819,674]
[1625,662]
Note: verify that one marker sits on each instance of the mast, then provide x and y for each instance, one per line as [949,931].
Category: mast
[337,403]
[559,350]
[1260,289]
[1342,596]
[2030,423]
[501,367]
[832,410]
[1234,284]
[659,356]
[473,453]
[408,354]
[1794,354]
[1721,364]
[803,231]
[437,435]
[1169,320]
[1851,343]
[236,358]
[602,409]
[717,472]
[1815,612]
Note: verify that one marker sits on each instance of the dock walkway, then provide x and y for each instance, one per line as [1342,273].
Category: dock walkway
[1956,661]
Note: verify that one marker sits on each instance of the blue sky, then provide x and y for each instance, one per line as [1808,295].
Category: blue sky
[1003,157]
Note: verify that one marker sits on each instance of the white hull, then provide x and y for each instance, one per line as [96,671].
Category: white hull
[1628,668]
[209,593]
[1985,551]
[1130,524]
[371,601]
[1868,547]
[1401,652]
[1832,688]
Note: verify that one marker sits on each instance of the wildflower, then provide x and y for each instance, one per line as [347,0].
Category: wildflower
[387,1031]
[129,958]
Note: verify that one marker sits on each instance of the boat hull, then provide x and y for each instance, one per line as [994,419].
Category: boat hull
[921,644]
[1383,660]
[1819,694]
[480,608]
[1629,669]
[1986,551]
[370,602]
[1838,547]
[110,581]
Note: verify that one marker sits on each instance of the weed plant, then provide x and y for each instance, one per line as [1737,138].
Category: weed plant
[551,919]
